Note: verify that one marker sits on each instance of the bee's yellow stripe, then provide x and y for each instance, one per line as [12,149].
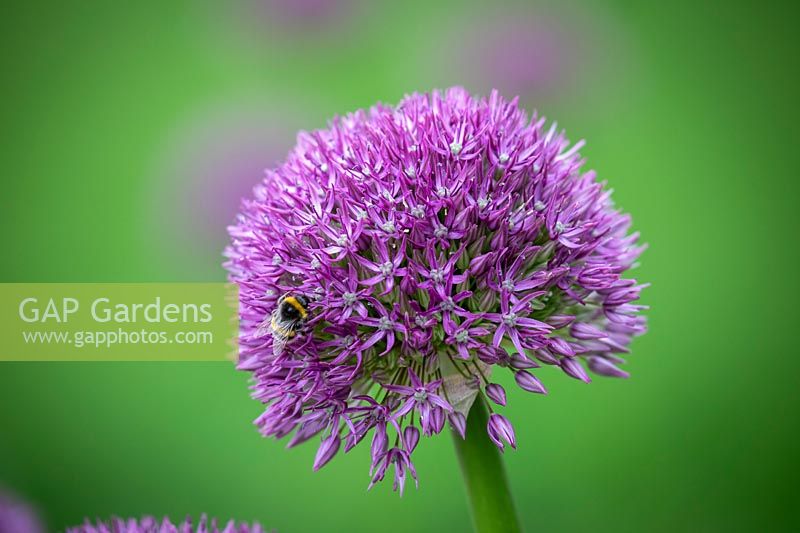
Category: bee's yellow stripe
[291,300]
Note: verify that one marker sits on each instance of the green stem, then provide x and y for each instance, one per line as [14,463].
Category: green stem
[485,475]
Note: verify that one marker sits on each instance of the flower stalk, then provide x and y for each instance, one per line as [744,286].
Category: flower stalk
[484,475]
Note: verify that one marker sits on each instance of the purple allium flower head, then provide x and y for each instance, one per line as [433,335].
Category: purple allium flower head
[299,23]
[149,524]
[16,516]
[305,14]
[436,242]
[527,51]
[208,164]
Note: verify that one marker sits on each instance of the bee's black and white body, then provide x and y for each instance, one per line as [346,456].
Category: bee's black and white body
[285,321]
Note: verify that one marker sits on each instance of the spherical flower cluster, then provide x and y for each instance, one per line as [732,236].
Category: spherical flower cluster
[438,243]
[152,525]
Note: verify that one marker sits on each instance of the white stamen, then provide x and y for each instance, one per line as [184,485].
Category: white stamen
[510,319]
[447,305]
[386,268]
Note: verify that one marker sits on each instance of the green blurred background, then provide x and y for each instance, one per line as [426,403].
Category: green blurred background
[128,131]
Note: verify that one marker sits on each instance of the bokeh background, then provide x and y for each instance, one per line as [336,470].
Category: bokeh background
[130,130]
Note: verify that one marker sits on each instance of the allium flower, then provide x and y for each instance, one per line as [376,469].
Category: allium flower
[16,516]
[149,524]
[525,50]
[207,166]
[438,243]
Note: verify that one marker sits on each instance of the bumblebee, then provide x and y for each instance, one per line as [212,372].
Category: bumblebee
[285,322]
